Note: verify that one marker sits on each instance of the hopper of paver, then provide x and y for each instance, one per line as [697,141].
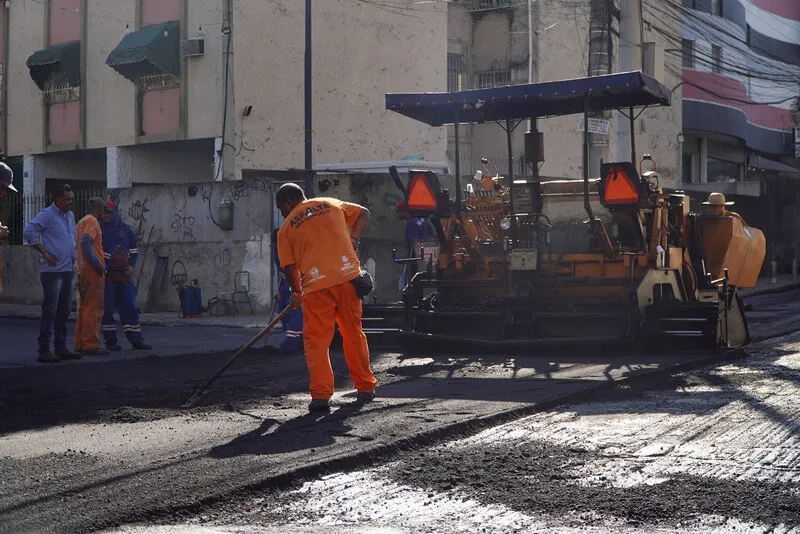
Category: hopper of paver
[728,243]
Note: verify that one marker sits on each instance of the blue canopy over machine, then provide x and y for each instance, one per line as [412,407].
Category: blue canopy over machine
[533,100]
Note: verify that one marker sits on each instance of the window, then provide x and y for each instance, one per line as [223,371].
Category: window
[747,36]
[57,89]
[688,161]
[456,71]
[716,59]
[689,4]
[157,82]
[688,53]
[721,171]
[716,7]
[493,78]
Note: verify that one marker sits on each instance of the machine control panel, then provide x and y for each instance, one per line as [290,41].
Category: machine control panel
[524,259]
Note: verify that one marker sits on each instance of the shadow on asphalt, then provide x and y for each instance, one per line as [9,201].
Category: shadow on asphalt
[309,431]
[153,388]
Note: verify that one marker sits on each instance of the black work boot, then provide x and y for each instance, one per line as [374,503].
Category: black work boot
[142,346]
[45,356]
[319,405]
[113,347]
[65,354]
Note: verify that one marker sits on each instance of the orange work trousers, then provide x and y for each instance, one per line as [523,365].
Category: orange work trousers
[91,286]
[322,311]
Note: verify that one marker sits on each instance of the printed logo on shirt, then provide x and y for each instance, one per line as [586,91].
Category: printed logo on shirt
[322,208]
[346,265]
[314,274]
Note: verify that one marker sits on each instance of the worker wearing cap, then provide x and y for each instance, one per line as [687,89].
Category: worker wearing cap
[91,280]
[292,322]
[121,253]
[319,258]
[6,185]
[417,229]
[716,207]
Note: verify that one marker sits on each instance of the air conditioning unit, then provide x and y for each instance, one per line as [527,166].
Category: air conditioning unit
[193,47]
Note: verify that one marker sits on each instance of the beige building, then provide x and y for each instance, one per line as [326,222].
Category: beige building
[122,92]
[488,43]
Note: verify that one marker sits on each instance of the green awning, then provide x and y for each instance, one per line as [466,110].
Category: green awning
[65,57]
[154,49]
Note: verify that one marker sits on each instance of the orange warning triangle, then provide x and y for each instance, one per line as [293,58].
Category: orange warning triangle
[619,188]
[420,194]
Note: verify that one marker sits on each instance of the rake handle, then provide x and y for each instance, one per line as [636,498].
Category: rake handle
[241,351]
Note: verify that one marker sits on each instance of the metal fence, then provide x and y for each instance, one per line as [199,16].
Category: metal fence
[16,210]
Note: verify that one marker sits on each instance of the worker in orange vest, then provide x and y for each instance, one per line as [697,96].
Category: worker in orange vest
[91,281]
[315,247]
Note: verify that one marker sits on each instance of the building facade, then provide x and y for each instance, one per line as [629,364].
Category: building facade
[180,108]
[741,75]
[126,92]
[490,43]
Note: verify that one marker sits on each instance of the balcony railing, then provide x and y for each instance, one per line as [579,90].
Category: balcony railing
[484,5]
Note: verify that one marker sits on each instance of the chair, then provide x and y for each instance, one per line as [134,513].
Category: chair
[241,288]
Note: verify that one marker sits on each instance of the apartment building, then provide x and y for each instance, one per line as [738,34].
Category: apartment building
[123,92]
[741,66]
[489,43]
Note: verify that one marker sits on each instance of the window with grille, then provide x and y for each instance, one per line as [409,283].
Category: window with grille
[157,82]
[493,78]
[57,89]
[479,5]
[456,71]
[716,59]
[688,53]
[716,7]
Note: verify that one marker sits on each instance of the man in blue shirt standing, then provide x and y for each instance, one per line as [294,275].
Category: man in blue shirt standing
[52,234]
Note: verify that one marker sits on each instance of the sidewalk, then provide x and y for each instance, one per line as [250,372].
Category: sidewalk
[764,286]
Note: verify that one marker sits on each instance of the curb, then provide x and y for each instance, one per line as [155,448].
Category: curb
[386,451]
[771,290]
[144,322]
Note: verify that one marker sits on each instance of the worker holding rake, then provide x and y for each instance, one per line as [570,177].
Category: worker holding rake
[318,255]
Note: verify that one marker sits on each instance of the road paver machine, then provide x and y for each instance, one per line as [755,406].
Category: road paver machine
[526,262]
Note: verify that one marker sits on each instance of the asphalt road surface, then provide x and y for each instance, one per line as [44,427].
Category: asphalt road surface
[456,442]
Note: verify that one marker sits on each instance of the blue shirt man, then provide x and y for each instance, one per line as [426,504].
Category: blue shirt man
[52,234]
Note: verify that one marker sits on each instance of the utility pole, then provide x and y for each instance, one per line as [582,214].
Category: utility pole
[629,60]
[534,140]
[309,184]
[599,62]
[227,156]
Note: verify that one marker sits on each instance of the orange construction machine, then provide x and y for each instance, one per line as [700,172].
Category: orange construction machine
[526,262]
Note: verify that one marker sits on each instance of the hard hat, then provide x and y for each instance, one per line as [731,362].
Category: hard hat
[717,199]
[400,206]
[7,177]
[109,206]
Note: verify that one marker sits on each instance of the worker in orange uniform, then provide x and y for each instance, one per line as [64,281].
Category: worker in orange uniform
[319,258]
[91,281]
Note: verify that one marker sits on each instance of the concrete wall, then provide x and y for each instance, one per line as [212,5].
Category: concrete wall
[360,53]
[178,222]
[25,110]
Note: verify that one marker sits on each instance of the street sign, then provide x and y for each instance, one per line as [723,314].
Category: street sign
[596,126]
